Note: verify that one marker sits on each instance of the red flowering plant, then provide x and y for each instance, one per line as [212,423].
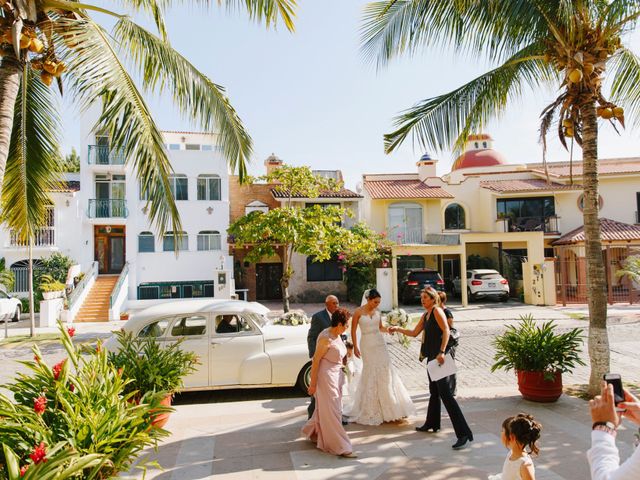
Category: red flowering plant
[66,421]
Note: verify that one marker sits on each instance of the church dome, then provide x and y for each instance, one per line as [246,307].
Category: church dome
[478,152]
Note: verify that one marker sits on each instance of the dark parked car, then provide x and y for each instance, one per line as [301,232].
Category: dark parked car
[416,280]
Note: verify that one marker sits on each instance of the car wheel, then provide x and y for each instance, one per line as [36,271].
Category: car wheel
[16,315]
[470,297]
[304,378]
[504,298]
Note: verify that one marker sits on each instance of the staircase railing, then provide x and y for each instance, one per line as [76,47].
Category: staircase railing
[80,287]
[116,288]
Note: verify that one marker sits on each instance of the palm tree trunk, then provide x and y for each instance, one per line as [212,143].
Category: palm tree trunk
[10,71]
[596,282]
[32,315]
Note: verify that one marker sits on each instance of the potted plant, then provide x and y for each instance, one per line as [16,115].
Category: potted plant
[152,369]
[539,355]
[124,315]
[51,288]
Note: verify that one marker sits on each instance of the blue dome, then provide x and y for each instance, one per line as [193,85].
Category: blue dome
[426,157]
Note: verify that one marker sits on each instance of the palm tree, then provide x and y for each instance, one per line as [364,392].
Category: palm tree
[565,43]
[56,40]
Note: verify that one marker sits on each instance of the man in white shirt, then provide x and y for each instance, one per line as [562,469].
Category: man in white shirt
[604,459]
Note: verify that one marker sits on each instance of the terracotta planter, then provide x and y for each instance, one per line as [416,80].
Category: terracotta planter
[534,387]
[124,316]
[161,419]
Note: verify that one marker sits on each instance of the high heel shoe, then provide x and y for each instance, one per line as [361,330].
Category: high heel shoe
[426,428]
[462,442]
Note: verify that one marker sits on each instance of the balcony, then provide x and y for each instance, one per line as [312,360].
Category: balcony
[107,208]
[405,235]
[103,155]
[44,237]
[549,225]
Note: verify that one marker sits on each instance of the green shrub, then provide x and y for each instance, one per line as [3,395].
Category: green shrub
[56,266]
[78,409]
[149,367]
[528,347]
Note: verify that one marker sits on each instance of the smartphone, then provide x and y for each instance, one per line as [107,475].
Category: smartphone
[616,380]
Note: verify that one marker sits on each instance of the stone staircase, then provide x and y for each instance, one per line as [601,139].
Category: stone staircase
[95,307]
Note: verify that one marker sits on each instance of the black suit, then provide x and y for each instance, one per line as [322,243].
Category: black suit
[319,321]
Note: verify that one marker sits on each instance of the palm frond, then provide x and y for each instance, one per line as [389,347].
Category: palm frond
[96,73]
[155,8]
[33,163]
[446,120]
[625,88]
[162,68]
[392,27]
[620,14]
[269,11]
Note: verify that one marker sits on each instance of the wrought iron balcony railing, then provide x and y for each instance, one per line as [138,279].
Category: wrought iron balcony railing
[107,208]
[103,155]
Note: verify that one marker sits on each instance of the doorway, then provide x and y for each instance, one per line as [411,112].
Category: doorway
[268,277]
[110,248]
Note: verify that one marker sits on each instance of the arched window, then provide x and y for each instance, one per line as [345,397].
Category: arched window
[454,218]
[405,223]
[179,185]
[146,242]
[208,187]
[209,240]
[169,242]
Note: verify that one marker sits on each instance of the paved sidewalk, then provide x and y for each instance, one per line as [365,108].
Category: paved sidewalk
[261,440]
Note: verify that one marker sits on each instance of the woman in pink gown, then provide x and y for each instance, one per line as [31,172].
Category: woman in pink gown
[325,425]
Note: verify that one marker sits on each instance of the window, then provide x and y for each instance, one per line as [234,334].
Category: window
[168,242]
[179,186]
[527,214]
[256,206]
[454,218]
[148,292]
[189,326]
[405,223]
[154,329]
[146,242]
[232,324]
[209,240]
[174,146]
[143,195]
[192,146]
[208,187]
[326,271]
[207,148]
[581,202]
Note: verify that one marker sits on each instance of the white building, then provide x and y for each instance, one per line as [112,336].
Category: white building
[102,218]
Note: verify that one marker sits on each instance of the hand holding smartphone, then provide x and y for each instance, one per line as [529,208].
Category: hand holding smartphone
[616,380]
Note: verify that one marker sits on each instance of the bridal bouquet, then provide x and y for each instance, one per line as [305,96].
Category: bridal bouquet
[399,318]
[292,318]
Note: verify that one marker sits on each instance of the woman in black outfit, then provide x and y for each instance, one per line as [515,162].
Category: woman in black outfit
[434,343]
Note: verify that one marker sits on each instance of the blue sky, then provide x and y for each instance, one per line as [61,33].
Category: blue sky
[310,98]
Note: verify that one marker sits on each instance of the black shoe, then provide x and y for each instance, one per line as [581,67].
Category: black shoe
[462,442]
[426,428]
[344,422]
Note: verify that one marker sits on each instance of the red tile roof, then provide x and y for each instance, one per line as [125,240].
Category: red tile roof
[610,230]
[342,193]
[609,166]
[379,189]
[526,185]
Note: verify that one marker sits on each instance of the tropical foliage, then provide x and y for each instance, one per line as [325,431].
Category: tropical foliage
[149,367]
[567,45]
[73,420]
[7,278]
[631,269]
[529,347]
[314,231]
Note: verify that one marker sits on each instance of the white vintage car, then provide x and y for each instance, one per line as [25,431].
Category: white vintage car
[237,346]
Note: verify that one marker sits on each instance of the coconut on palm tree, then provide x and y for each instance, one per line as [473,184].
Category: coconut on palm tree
[569,44]
[48,45]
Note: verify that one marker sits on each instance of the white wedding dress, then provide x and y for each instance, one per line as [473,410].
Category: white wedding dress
[380,395]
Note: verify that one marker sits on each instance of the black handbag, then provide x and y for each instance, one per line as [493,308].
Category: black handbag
[454,338]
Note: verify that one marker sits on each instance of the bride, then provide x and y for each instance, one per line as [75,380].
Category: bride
[380,395]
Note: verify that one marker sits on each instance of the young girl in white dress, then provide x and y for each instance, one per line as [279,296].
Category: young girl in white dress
[380,395]
[518,433]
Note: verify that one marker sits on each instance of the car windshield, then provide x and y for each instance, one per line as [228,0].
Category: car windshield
[259,320]
[424,276]
[488,276]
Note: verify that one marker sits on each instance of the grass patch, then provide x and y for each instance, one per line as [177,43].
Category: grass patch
[577,315]
[22,340]
[580,390]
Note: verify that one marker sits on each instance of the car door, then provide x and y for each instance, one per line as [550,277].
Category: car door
[193,330]
[237,354]
[5,306]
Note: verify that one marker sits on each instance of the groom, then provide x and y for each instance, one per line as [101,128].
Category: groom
[319,321]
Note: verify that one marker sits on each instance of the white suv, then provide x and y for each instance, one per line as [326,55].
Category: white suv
[484,283]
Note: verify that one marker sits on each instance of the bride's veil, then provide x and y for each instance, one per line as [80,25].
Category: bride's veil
[365,297]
